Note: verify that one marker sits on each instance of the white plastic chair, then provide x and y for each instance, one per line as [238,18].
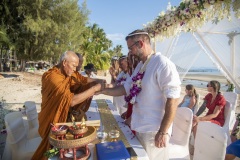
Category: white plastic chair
[229,114]
[179,141]
[210,143]
[20,147]
[232,98]
[32,119]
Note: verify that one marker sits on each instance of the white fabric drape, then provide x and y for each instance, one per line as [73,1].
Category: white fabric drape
[219,42]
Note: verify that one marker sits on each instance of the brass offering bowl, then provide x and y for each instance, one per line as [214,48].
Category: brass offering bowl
[77,131]
[59,130]
[71,142]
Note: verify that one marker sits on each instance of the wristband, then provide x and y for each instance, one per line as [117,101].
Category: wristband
[162,133]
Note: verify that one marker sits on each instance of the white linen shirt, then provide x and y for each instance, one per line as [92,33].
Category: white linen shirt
[161,81]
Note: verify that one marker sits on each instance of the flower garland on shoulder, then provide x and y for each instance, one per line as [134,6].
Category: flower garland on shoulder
[137,83]
[121,80]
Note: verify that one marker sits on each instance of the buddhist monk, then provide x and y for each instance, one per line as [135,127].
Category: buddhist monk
[62,88]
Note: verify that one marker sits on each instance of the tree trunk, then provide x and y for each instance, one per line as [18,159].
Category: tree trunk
[1,61]
[22,65]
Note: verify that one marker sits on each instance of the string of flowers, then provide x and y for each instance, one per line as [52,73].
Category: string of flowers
[121,80]
[190,15]
[137,83]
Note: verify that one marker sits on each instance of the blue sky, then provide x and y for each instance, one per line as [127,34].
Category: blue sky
[119,18]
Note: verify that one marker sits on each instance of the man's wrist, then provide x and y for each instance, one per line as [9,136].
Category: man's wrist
[162,133]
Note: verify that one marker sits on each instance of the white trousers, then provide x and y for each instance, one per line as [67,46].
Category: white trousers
[154,153]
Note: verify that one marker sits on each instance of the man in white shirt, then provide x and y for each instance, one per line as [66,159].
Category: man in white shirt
[153,89]
[119,101]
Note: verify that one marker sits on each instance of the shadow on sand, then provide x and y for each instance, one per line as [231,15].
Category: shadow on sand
[6,75]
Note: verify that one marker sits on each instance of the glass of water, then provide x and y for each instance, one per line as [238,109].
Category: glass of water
[101,135]
[114,135]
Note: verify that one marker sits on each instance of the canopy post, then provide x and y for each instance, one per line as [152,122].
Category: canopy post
[218,60]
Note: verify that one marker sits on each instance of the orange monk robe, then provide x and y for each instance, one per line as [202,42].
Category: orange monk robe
[56,101]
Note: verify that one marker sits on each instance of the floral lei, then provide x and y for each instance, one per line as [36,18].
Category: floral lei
[121,80]
[137,83]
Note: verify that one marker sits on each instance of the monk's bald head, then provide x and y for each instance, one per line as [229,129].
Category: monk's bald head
[68,62]
[68,55]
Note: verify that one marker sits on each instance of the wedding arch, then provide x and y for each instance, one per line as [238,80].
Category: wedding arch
[197,27]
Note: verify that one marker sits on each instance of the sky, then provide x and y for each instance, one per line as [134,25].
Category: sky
[119,18]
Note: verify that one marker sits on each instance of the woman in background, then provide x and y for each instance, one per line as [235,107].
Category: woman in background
[190,99]
[215,102]
[132,63]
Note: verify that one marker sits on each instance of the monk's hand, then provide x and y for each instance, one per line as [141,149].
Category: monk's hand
[161,139]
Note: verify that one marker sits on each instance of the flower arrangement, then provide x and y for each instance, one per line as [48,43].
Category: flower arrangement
[190,15]
[135,89]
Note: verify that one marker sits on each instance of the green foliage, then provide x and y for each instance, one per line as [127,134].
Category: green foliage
[44,29]
[51,152]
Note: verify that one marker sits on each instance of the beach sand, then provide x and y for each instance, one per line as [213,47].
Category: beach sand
[18,87]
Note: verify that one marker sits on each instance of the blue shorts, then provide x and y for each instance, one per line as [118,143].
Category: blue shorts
[234,148]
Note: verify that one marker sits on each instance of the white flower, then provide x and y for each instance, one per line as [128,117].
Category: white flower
[167,18]
[133,100]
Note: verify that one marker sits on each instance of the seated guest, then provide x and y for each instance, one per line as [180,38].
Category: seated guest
[215,102]
[190,99]
[233,150]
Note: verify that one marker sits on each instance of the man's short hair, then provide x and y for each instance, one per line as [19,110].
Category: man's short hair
[137,34]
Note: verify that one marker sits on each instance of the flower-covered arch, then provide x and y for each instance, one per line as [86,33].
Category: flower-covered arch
[213,27]
[190,15]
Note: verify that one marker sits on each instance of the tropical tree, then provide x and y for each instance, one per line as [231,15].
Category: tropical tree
[118,50]
[95,47]
[44,29]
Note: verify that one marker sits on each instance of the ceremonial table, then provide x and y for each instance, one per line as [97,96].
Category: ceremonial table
[106,112]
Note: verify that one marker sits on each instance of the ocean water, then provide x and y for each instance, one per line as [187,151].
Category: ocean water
[201,83]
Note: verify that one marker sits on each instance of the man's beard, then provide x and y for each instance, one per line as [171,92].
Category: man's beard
[139,54]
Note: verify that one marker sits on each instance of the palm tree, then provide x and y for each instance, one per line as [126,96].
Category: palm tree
[118,50]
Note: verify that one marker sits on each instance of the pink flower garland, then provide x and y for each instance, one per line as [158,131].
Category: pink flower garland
[121,80]
[136,88]
[137,83]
